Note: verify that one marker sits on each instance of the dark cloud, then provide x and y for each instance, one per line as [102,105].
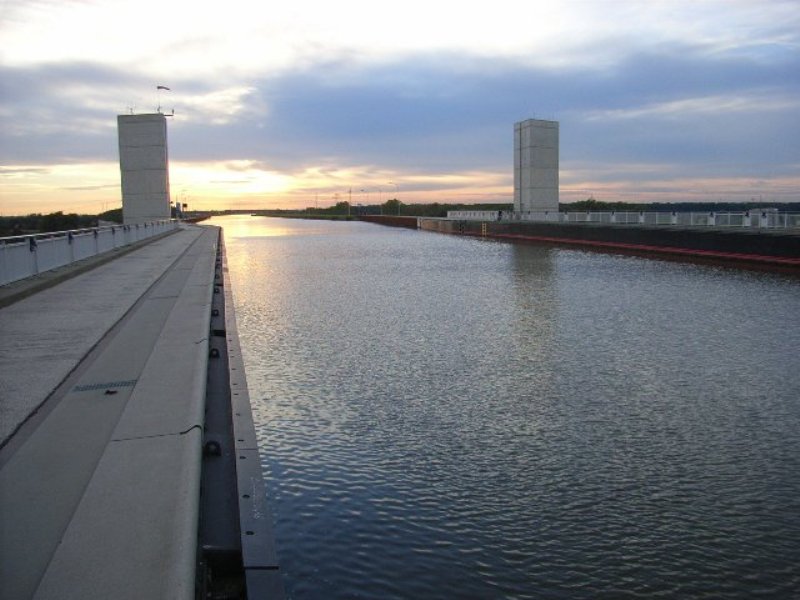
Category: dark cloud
[443,113]
[50,114]
[85,188]
[456,113]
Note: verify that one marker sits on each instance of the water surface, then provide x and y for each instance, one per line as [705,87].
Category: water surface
[447,417]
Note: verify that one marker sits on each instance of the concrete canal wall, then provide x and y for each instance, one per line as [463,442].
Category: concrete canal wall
[392,220]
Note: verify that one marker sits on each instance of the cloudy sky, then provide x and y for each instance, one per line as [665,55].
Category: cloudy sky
[288,104]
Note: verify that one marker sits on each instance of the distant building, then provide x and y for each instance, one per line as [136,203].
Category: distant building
[144,167]
[536,166]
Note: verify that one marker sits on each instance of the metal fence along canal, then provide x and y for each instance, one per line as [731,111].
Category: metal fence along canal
[27,255]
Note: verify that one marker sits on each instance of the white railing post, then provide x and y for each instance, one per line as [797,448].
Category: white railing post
[32,245]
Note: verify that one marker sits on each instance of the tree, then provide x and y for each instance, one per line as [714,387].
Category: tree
[114,215]
[58,221]
[391,207]
[590,204]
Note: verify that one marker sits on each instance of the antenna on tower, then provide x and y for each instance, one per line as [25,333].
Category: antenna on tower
[158,89]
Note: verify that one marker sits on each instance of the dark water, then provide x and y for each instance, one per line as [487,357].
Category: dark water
[443,417]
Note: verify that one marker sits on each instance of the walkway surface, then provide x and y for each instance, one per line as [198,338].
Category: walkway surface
[102,388]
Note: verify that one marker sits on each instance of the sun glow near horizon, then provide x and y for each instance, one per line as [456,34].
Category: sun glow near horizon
[220,185]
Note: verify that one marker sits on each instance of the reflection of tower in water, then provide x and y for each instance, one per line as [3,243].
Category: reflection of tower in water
[534,316]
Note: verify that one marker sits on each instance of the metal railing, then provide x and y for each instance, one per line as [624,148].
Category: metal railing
[474,215]
[754,219]
[23,256]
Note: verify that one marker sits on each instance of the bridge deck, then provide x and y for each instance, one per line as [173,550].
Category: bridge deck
[103,379]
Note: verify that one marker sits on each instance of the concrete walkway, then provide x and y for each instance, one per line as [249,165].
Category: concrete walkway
[45,335]
[102,388]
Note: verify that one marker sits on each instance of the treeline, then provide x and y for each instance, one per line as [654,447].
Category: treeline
[436,209]
[57,221]
[390,207]
[37,223]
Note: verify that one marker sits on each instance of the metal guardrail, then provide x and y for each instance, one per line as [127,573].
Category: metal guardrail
[23,256]
[754,219]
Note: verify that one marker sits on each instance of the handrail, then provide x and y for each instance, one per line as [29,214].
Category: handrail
[752,219]
[49,234]
[23,256]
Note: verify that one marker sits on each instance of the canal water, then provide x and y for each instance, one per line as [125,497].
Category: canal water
[449,417]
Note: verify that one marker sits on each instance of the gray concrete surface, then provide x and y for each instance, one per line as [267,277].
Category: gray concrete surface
[45,335]
[99,490]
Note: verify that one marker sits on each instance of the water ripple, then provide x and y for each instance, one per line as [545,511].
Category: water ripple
[447,417]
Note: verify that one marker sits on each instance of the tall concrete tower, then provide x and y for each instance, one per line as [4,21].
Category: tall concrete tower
[536,166]
[144,167]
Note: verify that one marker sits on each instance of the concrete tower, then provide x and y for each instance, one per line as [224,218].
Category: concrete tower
[536,166]
[144,167]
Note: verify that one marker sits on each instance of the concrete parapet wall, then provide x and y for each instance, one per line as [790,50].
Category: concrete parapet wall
[443,225]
